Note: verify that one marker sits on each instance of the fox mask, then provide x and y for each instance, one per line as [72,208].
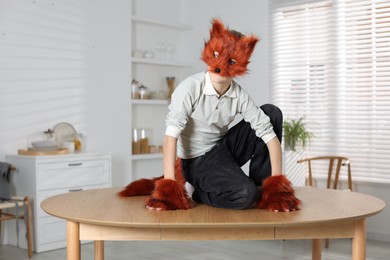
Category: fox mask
[227,52]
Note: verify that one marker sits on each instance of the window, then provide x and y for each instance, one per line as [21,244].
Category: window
[331,64]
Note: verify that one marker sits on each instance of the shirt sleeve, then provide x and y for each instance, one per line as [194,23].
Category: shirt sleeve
[179,111]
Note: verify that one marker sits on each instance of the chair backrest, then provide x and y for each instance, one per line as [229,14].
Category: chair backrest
[5,176]
[334,162]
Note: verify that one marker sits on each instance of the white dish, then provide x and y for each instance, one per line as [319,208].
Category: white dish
[63,132]
[44,144]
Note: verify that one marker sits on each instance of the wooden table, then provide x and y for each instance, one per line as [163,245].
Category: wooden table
[100,215]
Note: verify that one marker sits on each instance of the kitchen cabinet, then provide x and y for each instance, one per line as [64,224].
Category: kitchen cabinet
[41,177]
[150,67]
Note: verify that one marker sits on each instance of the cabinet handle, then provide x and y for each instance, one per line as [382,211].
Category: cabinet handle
[75,164]
[75,190]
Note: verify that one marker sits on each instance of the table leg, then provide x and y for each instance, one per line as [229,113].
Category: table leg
[99,250]
[359,240]
[73,240]
[316,249]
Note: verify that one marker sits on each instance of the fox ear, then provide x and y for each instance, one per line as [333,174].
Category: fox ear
[217,28]
[249,43]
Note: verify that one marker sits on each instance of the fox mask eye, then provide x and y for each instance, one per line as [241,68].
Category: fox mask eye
[232,62]
[223,45]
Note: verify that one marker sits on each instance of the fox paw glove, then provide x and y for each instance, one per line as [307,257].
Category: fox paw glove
[168,195]
[278,195]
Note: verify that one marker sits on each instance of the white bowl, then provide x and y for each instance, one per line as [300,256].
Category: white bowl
[44,144]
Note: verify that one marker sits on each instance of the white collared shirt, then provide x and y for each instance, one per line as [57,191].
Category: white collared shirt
[199,117]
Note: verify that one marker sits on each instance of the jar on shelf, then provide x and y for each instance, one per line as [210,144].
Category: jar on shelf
[143,92]
[49,134]
[134,89]
[171,85]
[141,140]
[80,143]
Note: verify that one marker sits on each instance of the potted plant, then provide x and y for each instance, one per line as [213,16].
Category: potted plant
[295,133]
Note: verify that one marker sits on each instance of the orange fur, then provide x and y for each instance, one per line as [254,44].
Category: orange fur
[144,186]
[168,195]
[230,45]
[278,195]
[140,187]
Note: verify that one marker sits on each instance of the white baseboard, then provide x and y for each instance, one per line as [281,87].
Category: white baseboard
[378,236]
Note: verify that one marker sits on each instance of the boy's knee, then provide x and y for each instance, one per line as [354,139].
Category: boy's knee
[243,197]
[249,195]
[272,111]
[276,118]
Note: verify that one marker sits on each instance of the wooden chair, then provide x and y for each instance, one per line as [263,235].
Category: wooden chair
[334,167]
[16,203]
[333,174]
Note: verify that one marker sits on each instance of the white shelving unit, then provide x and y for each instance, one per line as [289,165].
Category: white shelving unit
[151,72]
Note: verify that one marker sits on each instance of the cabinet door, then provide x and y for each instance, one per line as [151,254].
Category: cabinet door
[51,231]
[72,174]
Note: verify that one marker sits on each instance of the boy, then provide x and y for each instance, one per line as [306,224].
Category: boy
[201,109]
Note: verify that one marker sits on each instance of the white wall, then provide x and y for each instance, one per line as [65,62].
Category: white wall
[67,61]
[42,69]
[108,83]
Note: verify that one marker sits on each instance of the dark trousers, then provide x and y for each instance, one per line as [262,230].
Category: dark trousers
[217,176]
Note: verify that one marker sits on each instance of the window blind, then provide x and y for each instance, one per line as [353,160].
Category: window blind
[330,64]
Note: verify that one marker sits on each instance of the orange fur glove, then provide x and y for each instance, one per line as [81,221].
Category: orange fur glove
[143,187]
[168,195]
[278,195]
